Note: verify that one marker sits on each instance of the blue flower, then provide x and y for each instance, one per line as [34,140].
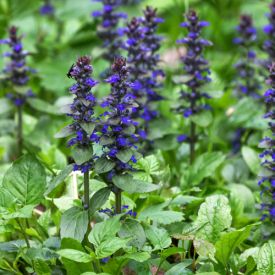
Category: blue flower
[108,31]
[267,183]
[17,73]
[117,120]
[269,44]
[82,111]
[47,8]
[246,82]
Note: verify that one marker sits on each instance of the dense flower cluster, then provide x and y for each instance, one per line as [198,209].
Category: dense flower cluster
[247,82]
[47,8]
[142,46]
[268,155]
[118,130]
[109,31]
[16,70]
[196,68]
[269,44]
[82,108]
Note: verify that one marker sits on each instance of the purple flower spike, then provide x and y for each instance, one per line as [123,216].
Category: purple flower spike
[118,127]
[194,65]
[269,44]
[142,45]
[267,183]
[82,109]
[16,70]
[246,83]
[109,31]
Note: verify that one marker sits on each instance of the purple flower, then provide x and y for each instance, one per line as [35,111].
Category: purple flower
[117,122]
[82,108]
[246,82]
[108,31]
[17,73]
[267,183]
[269,44]
[47,8]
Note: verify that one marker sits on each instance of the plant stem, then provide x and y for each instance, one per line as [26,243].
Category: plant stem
[19,131]
[23,232]
[86,191]
[118,200]
[192,141]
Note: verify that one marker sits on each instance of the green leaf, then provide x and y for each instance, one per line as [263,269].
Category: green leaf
[138,256]
[205,166]
[104,165]
[25,180]
[161,216]
[74,268]
[58,180]
[252,159]
[132,228]
[157,214]
[74,223]
[158,237]
[124,155]
[106,140]
[82,154]
[266,259]
[203,119]
[104,230]
[205,249]
[110,246]
[213,217]
[180,269]
[75,255]
[228,242]
[5,106]
[12,246]
[130,185]
[88,127]
[43,106]
[92,273]
[99,198]
[64,132]
[41,267]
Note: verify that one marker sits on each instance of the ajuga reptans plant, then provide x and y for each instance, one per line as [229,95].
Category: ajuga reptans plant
[84,121]
[196,68]
[17,78]
[247,82]
[108,30]
[142,46]
[267,181]
[269,44]
[118,136]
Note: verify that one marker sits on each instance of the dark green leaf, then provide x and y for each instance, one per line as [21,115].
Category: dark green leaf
[99,198]
[130,185]
[74,223]
[124,155]
[26,180]
[104,165]
[82,154]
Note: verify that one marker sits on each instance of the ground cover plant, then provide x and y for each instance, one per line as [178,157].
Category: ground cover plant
[137,137]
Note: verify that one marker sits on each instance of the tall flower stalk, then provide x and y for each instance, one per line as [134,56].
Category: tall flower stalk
[108,30]
[247,82]
[197,70]
[142,45]
[84,121]
[118,129]
[17,77]
[268,155]
[269,44]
